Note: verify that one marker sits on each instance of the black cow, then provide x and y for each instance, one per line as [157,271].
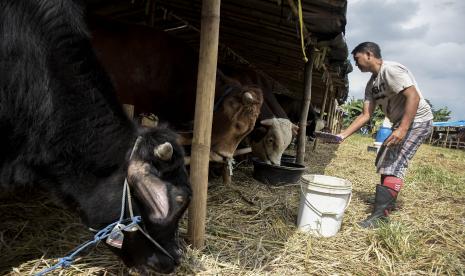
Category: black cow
[63,130]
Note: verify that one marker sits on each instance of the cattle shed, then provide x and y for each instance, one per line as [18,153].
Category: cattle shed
[262,34]
[448,134]
[298,46]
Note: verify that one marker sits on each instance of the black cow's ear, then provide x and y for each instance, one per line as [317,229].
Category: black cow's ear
[258,133]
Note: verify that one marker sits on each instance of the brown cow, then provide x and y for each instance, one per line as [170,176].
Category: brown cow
[273,130]
[157,73]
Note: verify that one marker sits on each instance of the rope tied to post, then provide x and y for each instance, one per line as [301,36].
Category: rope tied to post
[301,27]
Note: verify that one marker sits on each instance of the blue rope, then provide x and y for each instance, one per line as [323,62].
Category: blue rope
[102,234]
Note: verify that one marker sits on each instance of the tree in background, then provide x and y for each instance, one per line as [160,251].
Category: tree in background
[354,107]
[440,115]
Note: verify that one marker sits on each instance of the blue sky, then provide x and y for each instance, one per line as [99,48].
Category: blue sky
[427,36]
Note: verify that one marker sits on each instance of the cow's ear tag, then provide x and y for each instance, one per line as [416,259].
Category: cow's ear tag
[116,236]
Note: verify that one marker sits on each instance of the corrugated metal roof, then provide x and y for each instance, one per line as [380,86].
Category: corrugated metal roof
[261,33]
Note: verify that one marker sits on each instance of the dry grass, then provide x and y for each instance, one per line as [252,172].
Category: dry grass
[251,226]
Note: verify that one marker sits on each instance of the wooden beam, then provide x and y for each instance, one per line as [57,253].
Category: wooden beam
[208,57]
[307,97]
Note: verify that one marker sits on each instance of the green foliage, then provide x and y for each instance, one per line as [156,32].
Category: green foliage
[354,108]
[440,115]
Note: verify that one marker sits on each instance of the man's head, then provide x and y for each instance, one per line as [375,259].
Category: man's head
[367,56]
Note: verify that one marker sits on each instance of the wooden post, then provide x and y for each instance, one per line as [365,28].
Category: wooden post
[431,136]
[447,136]
[330,111]
[333,116]
[208,57]
[300,155]
[323,106]
[336,122]
[322,114]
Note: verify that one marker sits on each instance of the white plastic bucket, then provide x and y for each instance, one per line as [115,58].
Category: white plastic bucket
[322,204]
[377,146]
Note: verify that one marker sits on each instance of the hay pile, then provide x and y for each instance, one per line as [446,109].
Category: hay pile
[251,226]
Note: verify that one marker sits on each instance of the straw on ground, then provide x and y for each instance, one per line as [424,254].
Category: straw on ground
[251,227]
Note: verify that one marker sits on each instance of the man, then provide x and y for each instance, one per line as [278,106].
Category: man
[392,87]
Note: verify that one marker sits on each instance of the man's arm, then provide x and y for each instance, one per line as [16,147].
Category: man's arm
[412,99]
[361,120]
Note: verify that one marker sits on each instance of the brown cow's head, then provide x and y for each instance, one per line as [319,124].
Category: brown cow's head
[161,192]
[271,139]
[236,110]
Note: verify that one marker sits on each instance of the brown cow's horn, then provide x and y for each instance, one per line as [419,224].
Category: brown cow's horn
[164,151]
[247,98]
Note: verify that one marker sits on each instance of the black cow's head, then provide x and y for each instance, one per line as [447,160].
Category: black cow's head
[161,191]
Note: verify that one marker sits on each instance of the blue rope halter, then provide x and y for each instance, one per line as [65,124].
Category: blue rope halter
[111,228]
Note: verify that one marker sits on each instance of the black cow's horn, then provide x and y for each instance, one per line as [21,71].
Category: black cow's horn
[247,97]
[164,151]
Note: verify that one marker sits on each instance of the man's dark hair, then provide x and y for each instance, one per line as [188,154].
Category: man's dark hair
[365,47]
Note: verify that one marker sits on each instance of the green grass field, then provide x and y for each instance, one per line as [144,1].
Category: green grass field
[251,226]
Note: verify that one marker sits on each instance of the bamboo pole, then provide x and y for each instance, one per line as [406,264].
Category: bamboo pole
[208,57]
[322,113]
[336,121]
[304,110]
[323,106]
[333,115]
[330,111]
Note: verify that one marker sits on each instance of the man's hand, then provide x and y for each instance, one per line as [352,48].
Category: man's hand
[396,137]
[339,138]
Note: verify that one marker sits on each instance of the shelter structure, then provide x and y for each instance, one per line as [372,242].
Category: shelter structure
[448,134]
[299,45]
[262,34]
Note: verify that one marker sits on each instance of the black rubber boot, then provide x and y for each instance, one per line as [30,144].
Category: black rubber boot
[371,200]
[384,203]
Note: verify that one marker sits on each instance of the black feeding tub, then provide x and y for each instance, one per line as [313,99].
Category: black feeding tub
[288,158]
[288,172]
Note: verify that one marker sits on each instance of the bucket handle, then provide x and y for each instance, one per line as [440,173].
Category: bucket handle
[324,213]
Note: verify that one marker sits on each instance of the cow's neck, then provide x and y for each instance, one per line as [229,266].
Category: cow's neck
[99,200]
